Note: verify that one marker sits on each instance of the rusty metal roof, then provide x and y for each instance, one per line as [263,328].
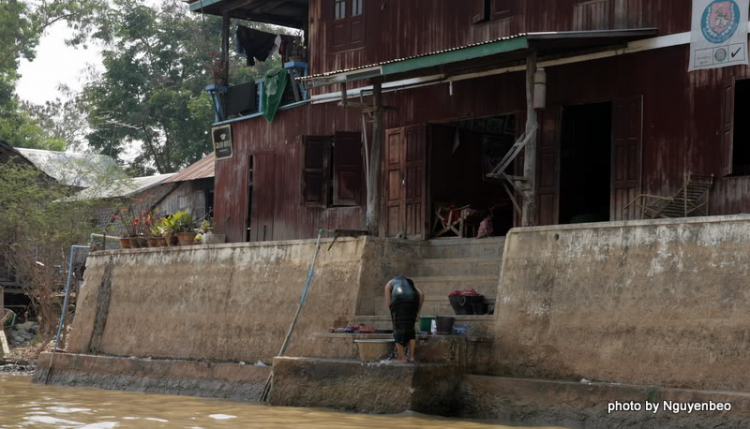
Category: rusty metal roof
[288,13]
[203,169]
[548,43]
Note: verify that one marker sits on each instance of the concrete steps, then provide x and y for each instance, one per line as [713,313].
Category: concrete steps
[454,264]
[491,248]
[476,326]
[457,267]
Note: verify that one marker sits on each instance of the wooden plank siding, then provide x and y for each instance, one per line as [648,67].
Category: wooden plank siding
[399,29]
[681,123]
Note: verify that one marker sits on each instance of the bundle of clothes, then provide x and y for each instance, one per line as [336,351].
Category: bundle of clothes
[259,45]
[353,329]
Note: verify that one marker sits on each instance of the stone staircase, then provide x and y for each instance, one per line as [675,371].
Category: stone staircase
[448,265]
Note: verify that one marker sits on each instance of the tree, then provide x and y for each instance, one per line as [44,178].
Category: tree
[40,223]
[157,64]
[21,25]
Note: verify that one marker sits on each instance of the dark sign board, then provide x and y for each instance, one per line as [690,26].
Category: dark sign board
[222,138]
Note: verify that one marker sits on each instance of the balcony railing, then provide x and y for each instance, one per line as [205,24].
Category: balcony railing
[244,100]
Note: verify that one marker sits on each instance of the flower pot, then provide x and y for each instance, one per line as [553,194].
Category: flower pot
[124,243]
[154,242]
[186,238]
[171,240]
[143,242]
[161,241]
[134,243]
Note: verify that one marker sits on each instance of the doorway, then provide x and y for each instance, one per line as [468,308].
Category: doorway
[462,154]
[586,163]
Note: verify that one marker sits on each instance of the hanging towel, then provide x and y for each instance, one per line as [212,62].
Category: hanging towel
[276,81]
[256,44]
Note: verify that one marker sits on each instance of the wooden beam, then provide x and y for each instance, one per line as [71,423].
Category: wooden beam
[372,215]
[528,216]
[226,21]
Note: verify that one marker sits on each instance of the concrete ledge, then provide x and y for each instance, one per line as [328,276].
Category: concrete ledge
[584,405]
[177,377]
[382,388]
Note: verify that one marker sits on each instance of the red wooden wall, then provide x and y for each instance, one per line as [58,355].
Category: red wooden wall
[681,131]
[401,28]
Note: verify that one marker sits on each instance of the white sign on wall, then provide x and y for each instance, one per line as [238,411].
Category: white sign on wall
[719,36]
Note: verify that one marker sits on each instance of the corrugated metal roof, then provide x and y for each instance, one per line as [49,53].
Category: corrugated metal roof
[442,51]
[549,43]
[81,170]
[122,187]
[203,169]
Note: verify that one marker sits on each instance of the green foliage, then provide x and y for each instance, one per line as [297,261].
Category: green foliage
[21,25]
[39,224]
[157,64]
[183,222]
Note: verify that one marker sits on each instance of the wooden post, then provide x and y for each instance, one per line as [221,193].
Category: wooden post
[528,216]
[225,48]
[372,216]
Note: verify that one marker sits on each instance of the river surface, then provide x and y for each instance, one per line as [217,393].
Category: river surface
[26,405]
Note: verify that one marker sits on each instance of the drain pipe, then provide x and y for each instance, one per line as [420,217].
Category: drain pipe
[64,306]
[267,388]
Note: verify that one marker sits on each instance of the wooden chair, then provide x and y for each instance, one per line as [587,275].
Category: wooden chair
[450,218]
[692,198]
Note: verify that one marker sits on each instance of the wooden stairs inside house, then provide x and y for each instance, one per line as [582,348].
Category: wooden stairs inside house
[452,264]
[692,198]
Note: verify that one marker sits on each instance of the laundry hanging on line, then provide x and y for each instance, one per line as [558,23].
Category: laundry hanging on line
[256,44]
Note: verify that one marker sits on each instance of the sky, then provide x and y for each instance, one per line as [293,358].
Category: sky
[55,64]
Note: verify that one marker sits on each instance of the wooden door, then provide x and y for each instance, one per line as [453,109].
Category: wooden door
[548,166]
[727,128]
[394,179]
[263,197]
[406,181]
[627,148]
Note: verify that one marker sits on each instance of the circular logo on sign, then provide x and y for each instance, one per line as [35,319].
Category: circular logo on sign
[721,55]
[720,21]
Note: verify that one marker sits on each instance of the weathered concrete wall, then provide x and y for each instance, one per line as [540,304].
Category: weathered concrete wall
[526,402]
[226,303]
[365,387]
[663,303]
[193,378]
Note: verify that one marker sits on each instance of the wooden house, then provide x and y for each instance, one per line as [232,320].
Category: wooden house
[422,100]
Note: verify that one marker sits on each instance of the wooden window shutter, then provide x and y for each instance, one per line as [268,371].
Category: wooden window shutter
[481,11]
[503,9]
[347,169]
[315,155]
[727,129]
[356,25]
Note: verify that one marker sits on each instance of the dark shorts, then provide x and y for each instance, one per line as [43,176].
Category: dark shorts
[404,316]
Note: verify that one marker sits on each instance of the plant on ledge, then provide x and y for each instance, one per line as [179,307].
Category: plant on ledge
[183,222]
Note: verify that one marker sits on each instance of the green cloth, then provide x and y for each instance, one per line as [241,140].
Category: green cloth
[276,81]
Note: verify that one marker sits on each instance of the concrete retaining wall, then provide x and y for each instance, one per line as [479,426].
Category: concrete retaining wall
[192,378]
[665,303]
[227,303]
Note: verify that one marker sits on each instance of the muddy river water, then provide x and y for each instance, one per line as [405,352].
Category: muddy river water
[26,405]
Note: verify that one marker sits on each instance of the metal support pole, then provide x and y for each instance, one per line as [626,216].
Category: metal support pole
[528,216]
[372,217]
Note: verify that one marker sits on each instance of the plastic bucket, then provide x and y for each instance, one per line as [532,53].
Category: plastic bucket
[445,325]
[425,323]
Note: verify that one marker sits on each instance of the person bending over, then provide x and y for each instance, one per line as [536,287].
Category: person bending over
[404,299]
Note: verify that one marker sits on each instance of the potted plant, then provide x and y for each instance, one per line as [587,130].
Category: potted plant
[184,227]
[156,239]
[168,231]
[129,223]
